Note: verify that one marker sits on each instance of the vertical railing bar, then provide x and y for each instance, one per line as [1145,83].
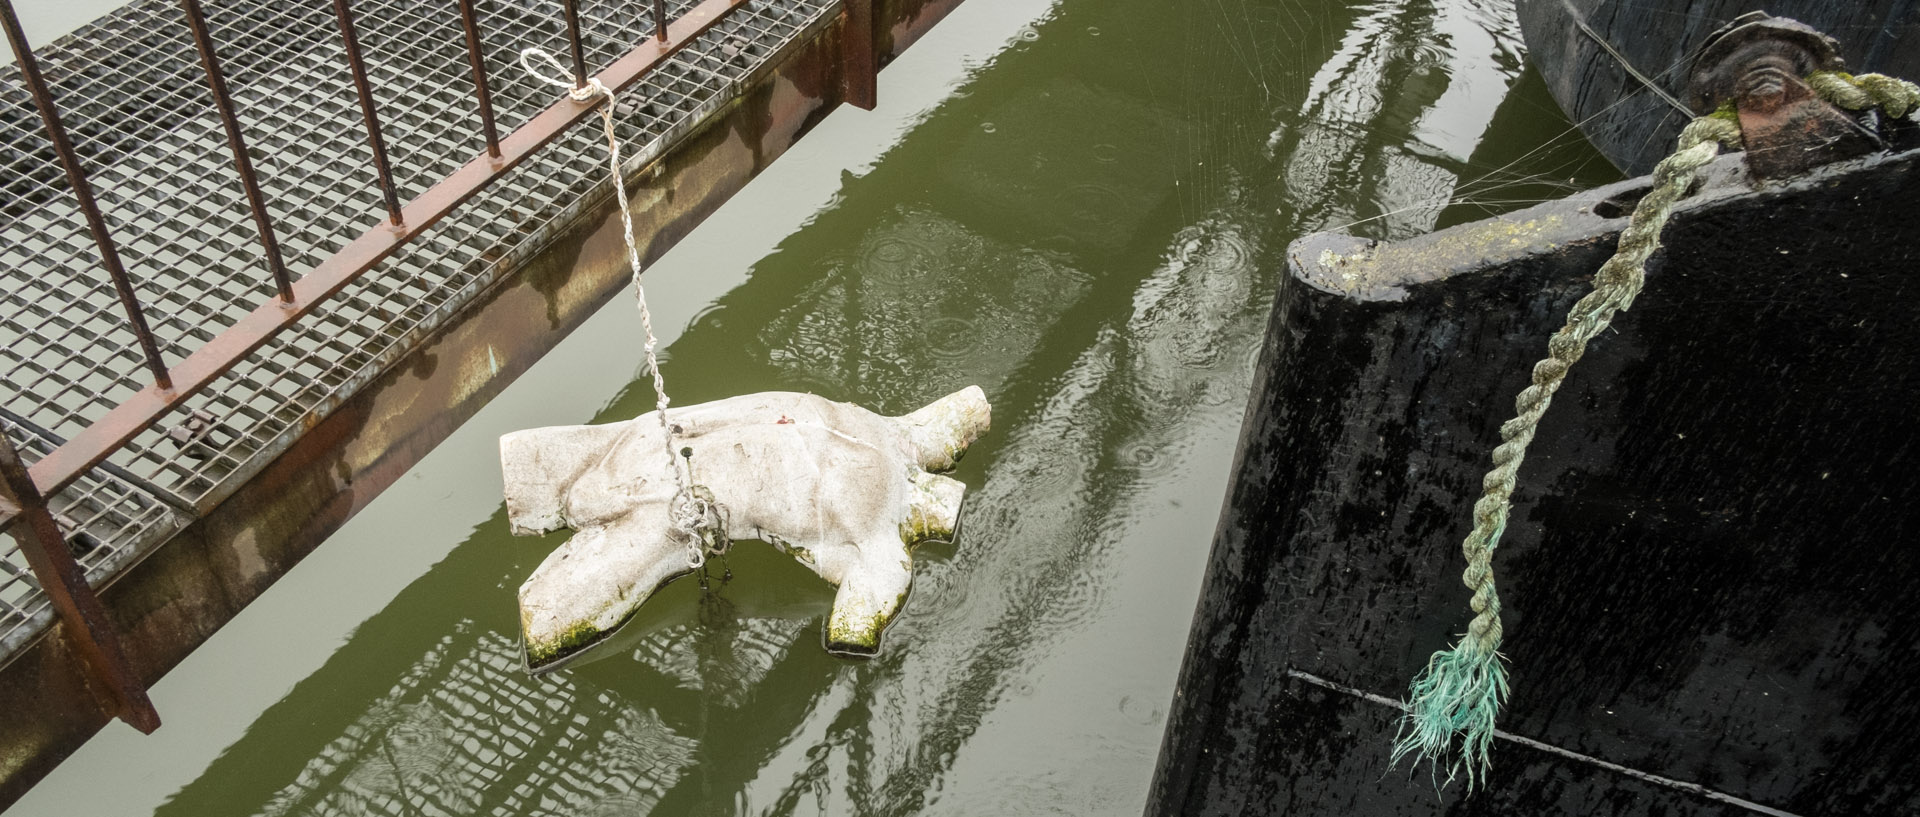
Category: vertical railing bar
[236,141]
[84,621]
[83,195]
[485,95]
[572,13]
[660,20]
[860,68]
[357,64]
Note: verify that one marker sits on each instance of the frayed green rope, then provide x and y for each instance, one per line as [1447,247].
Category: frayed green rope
[1460,692]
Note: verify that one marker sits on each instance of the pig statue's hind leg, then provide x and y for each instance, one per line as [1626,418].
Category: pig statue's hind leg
[587,588]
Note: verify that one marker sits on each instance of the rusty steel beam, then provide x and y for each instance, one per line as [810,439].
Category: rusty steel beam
[83,194]
[84,621]
[125,421]
[470,22]
[109,467]
[862,69]
[660,19]
[237,142]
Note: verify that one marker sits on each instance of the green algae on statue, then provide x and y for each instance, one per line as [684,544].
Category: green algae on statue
[846,491]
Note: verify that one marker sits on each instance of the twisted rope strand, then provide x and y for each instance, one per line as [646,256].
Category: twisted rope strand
[695,517]
[1897,97]
[1462,689]
[1615,286]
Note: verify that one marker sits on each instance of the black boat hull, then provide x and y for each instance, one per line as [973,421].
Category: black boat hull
[1710,564]
[1633,127]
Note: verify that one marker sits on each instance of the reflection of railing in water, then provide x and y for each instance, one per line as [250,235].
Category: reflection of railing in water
[465,731]
[296,390]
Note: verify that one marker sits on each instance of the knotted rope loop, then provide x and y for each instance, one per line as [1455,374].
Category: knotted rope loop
[694,517]
[1462,689]
[577,93]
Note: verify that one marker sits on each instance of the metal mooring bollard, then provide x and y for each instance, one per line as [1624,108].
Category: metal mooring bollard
[1757,63]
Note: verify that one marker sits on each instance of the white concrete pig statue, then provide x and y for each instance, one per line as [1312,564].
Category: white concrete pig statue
[844,490]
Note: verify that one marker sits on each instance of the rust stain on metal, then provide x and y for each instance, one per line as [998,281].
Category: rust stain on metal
[83,196]
[912,19]
[862,69]
[369,112]
[788,105]
[237,144]
[1788,130]
[483,93]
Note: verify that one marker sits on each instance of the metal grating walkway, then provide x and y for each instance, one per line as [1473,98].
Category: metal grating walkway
[136,103]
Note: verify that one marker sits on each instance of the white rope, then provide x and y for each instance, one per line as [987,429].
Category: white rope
[691,513]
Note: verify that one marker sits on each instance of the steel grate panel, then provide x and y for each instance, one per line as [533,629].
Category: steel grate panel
[133,96]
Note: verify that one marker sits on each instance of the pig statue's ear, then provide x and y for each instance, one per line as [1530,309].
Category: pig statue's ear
[540,464]
[940,432]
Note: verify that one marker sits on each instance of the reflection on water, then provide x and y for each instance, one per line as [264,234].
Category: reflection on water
[1400,105]
[463,729]
[921,294]
[1091,229]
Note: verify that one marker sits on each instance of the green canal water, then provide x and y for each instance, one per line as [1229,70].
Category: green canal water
[1081,206]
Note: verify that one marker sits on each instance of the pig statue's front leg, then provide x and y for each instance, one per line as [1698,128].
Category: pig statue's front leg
[875,574]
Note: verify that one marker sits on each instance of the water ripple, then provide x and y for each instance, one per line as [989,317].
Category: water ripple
[950,339]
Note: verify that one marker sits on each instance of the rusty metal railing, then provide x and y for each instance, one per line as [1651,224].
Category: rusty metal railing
[173,385]
[24,510]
